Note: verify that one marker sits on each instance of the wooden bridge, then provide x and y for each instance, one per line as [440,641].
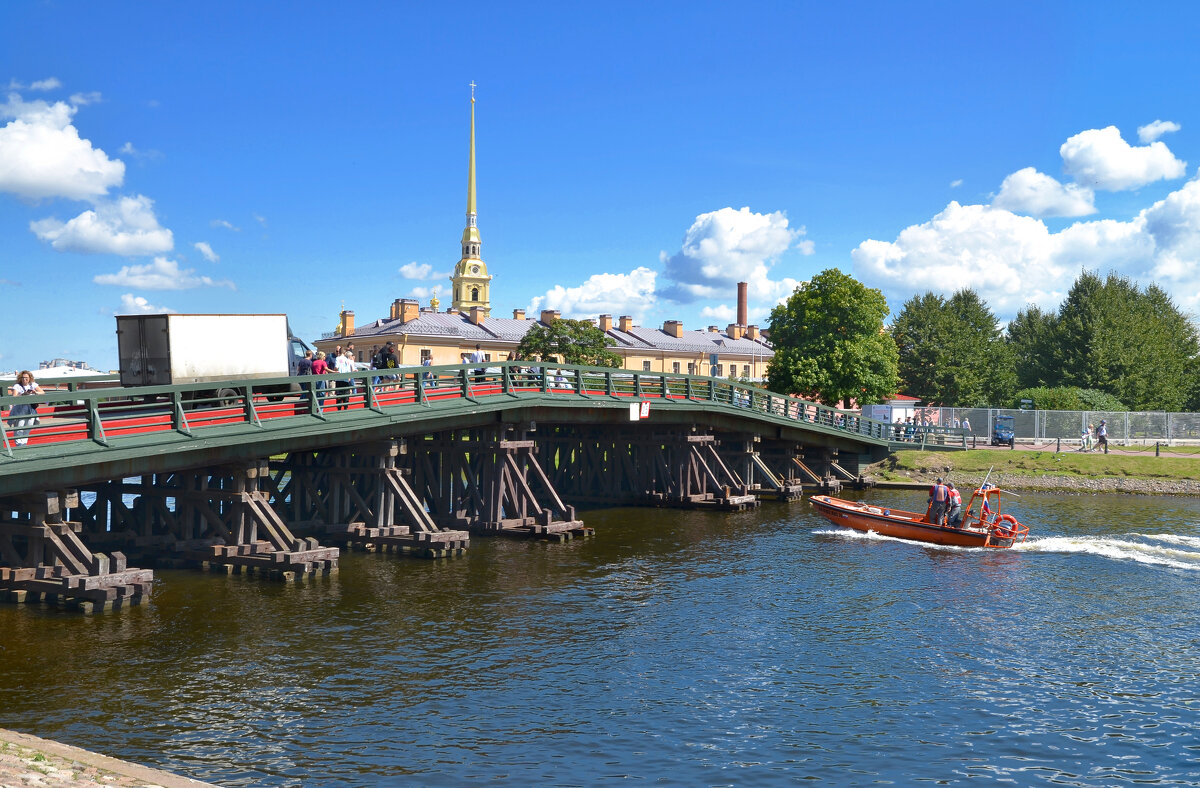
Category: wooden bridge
[236,478]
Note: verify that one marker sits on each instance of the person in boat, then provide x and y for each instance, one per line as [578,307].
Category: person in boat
[939,494]
[954,516]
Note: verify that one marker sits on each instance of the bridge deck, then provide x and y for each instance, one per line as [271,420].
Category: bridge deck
[81,436]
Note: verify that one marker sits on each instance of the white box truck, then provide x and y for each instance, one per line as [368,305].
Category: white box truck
[158,350]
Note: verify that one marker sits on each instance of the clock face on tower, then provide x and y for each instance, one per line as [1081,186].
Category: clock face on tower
[474,269]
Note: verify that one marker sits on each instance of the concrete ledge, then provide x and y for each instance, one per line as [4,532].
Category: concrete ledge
[56,764]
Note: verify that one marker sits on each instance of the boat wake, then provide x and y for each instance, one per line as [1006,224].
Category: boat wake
[849,533]
[1170,550]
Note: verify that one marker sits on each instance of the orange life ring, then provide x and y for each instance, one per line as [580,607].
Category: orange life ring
[1009,531]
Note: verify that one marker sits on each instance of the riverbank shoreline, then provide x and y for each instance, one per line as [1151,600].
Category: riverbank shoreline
[31,760]
[1044,471]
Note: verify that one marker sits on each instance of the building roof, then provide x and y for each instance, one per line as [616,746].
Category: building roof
[458,326]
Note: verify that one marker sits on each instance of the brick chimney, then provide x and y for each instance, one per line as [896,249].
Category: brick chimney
[410,309]
[549,316]
[713,329]
[347,321]
[605,323]
[625,322]
[518,314]
[742,306]
[752,333]
[734,331]
[674,328]
[394,312]
[477,314]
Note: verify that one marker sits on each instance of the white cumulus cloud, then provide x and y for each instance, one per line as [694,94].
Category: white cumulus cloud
[721,312]
[83,99]
[1101,159]
[1008,259]
[161,274]
[1013,260]
[421,272]
[126,226]
[1152,131]
[136,305]
[611,294]
[207,251]
[1035,193]
[730,245]
[42,154]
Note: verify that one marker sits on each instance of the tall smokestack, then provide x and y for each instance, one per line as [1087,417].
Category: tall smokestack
[742,309]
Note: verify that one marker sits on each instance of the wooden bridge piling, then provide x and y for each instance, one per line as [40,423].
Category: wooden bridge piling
[46,561]
[358,496]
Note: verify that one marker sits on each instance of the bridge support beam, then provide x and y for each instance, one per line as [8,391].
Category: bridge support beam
[42,558]
[767,475]
[832,474]
[678,468]
[215,517]
[359,497]
[488,481]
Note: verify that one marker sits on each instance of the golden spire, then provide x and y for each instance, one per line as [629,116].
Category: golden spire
[471,163]
[470,281]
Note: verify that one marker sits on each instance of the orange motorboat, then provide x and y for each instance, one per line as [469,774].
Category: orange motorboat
[983,523]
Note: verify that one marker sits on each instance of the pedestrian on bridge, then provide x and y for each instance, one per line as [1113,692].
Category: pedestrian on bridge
[320,367]
[344,387]
[22,416]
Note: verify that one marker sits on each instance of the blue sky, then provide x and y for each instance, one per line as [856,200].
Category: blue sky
[633,158]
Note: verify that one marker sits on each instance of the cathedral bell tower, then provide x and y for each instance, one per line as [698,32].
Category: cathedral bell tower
[471,281]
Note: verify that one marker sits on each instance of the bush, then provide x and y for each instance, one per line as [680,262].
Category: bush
[1094,399]
[1068,398]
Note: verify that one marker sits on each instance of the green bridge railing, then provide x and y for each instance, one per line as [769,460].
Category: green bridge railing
[65,421]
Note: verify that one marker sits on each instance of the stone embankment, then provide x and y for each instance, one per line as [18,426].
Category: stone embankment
[27,761]
[1061,483]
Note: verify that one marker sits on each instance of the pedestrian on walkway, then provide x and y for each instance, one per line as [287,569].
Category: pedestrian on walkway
[22,416]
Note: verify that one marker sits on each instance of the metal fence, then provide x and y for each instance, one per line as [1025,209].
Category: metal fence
[1135,427]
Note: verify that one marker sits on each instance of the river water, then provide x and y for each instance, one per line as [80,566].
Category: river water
[688,648]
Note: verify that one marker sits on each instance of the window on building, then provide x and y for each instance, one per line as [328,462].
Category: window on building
[645,366]
[474,293]
[675,367]
[719,371]
[691,368]
[426,354]
[745,370]
[487,356]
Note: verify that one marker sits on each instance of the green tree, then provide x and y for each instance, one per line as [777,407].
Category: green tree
[951,351]
[830,343]
[1033,344]
[1134,345]
[573,341]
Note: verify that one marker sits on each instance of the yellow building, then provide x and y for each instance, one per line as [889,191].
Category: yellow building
[447,337]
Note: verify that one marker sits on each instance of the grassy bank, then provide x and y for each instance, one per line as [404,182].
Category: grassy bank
[918,465]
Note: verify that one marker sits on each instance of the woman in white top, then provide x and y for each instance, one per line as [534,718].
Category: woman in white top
[344,363]
[22,417]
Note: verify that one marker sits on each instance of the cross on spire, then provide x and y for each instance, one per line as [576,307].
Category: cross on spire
[472,91]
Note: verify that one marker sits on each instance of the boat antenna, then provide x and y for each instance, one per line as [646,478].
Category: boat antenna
[985,478]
